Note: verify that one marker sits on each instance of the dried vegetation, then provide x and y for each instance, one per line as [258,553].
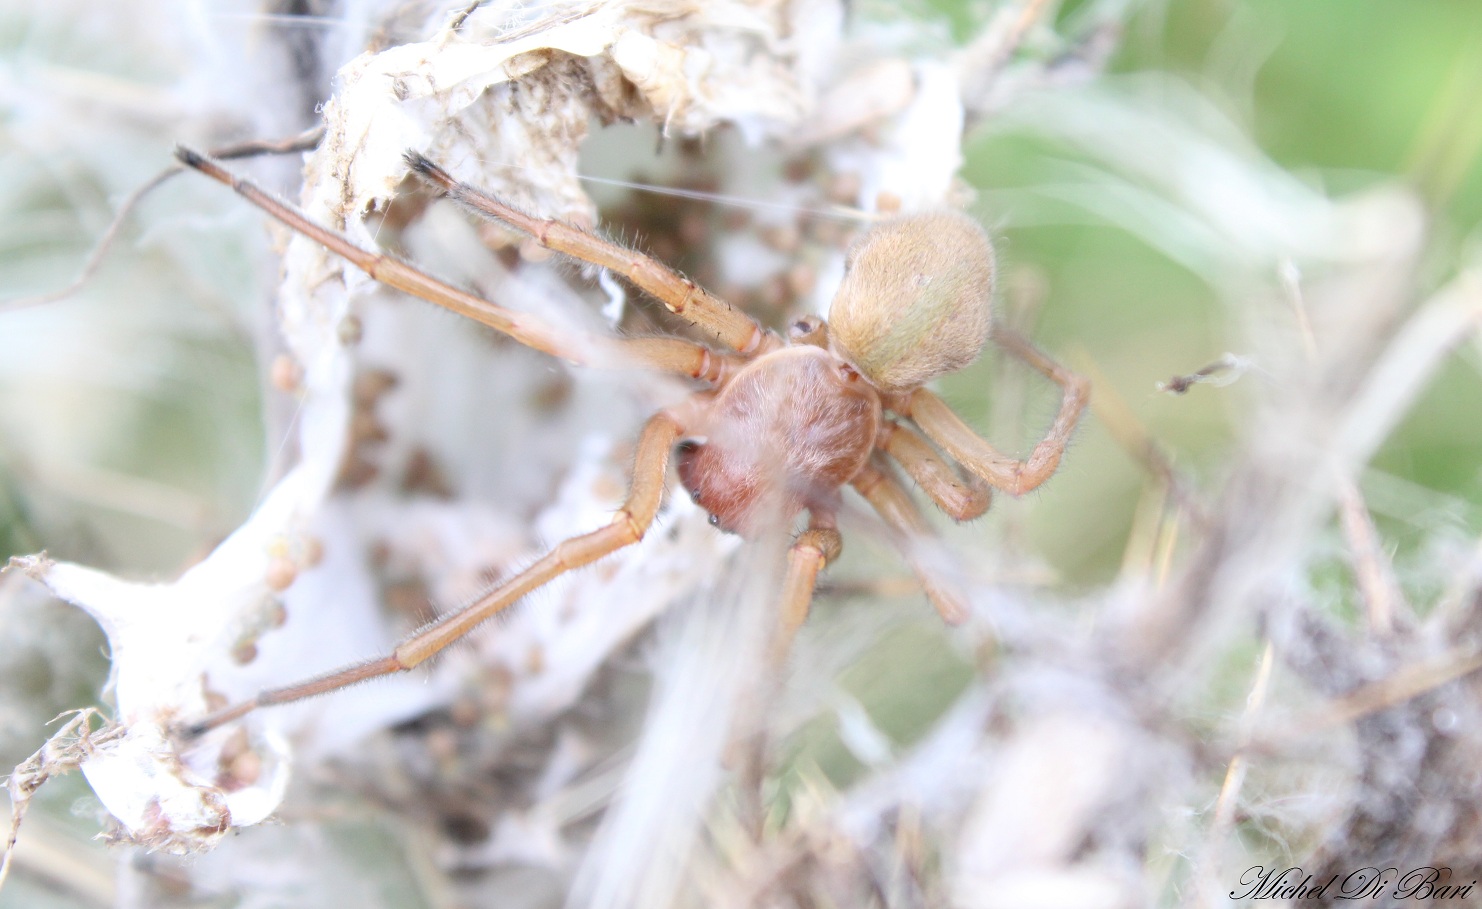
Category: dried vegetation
[1258,683]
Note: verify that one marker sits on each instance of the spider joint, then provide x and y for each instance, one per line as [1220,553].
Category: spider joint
[825,544]
[633,529]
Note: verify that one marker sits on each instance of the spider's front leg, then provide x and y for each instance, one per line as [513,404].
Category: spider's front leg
[681,296]
[1013,476]
[628,526]
[665,354]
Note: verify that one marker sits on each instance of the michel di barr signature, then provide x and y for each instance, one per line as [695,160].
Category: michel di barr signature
[1425,883]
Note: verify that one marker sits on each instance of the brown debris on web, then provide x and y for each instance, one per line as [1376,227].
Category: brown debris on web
[66,750]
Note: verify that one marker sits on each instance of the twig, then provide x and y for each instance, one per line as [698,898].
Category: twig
[301,142]
[1372,569]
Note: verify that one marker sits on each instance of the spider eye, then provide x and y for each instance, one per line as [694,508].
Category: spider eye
[715,520]
[687,447]
[807,330]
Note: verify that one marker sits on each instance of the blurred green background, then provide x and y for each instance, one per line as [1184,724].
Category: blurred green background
[1346,96]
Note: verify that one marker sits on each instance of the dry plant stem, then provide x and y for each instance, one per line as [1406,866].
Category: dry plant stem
[891,500]
[1291,282]
[664,354]
[1235,773]
[302,142]
[991,51]
[962,499]
[628,527]
[1371,566]
[63,751]
[308,140]
[49,855]
[95,258]
[1405,684]
[1013,476]
[1224,814]
[1029,12]
[679,295]
[1400,687]
[123,492]
[1167,542]
[463,15]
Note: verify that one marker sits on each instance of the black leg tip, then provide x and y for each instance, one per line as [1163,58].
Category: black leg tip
[191,731]
[428,171]
[417,162]
[189,157]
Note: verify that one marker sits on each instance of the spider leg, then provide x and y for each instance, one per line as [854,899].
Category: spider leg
[962,499]
[679,295]
[628,526]
[811,552]
[665,354]
[890,499]
[955,437]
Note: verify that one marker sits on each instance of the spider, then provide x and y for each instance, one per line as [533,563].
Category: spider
[781,426]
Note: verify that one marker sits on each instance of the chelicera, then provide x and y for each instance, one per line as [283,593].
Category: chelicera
[780,427]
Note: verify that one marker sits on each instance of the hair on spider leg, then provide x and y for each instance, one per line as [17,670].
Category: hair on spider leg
[772,438]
